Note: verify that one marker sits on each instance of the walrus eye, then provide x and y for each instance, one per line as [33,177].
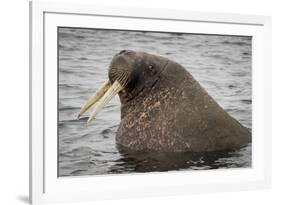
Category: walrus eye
[151,67]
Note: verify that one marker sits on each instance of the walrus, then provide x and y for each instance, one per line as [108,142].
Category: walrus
[163,108]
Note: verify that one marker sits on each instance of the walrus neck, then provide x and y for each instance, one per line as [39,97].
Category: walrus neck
[125,97]
[131,103]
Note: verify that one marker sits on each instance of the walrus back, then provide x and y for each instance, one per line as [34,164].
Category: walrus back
[202,122]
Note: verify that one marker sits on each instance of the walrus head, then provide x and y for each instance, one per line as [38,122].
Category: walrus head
[129,73]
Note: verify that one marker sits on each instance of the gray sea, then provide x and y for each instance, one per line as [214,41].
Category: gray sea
[222,65]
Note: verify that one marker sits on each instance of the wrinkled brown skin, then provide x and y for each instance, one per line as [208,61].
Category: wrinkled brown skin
[175,114]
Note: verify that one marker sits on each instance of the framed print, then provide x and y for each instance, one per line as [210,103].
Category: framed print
[129,102]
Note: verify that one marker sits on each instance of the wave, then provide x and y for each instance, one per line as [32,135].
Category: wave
[246,53]
[78,152]
[64,35]
[106,133]
[66,108]
[247,101]
[71,140]
[237,43]
[83,58]
[77,172]
[66,71]
[61,46]
[197,45]
[79,36]
[232,86]
[64,85]
[221,57]
[74,120]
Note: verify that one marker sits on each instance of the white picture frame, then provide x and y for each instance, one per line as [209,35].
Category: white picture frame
[46,187]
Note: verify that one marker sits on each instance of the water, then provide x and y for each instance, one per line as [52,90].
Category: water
[222,65]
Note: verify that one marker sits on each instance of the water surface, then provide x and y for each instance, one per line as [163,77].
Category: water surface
[222,65]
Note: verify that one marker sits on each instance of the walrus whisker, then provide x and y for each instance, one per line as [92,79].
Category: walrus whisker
[120,74]
[120,78]
[114,73]
[123,79]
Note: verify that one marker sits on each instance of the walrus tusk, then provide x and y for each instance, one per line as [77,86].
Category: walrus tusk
[111,92]
[100,92]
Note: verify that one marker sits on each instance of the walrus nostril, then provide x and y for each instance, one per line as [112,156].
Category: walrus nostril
[123,51]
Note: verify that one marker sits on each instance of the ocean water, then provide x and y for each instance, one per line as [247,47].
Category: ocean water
[222,65]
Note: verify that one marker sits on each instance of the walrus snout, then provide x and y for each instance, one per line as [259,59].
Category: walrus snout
[121,66]
[129,71]
[119,71]
[125,52]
